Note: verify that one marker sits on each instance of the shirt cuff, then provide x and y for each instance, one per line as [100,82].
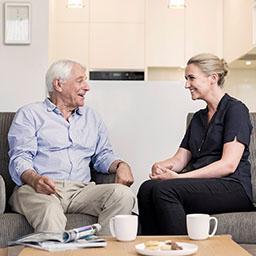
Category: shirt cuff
[19,169]
[105,165]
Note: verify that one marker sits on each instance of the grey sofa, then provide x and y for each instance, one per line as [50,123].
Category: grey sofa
[14,225]
[241,225]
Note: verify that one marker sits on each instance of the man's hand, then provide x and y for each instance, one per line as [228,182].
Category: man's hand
[124,174]
[41,184]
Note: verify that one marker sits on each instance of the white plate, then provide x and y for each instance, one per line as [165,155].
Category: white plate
[188,249]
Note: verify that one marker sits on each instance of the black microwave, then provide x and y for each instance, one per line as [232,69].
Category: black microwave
[116,75]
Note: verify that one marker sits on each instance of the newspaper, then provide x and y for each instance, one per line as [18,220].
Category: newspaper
[81,237]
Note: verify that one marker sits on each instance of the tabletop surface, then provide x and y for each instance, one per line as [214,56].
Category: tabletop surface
[215,246]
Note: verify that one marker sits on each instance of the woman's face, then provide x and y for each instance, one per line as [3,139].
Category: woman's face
[197,82]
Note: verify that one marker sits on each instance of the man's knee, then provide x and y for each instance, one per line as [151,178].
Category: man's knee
[123,195]
[51,207]
[53,218]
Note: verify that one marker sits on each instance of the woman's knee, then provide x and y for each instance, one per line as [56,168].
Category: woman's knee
[165,191]
[145,189]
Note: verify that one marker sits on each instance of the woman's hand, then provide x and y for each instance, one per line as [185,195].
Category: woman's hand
[169,168]
[162,173]
[156,169]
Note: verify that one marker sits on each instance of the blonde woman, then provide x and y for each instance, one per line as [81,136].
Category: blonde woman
[215,147]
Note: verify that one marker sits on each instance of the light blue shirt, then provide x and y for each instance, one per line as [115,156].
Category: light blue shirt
[41,139]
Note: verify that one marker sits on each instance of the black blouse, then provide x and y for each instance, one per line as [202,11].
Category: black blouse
[205,140]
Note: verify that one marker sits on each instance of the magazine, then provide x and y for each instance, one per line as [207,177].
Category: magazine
[82,237]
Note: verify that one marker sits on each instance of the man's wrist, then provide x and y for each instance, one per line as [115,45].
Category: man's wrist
[121,163]
[29,177]
[115,166]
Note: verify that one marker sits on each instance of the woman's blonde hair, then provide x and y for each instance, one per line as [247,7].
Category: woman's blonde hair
[209,64]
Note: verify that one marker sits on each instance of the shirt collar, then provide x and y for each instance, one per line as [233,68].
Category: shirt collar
[221,104]
[224,100]
[51,107]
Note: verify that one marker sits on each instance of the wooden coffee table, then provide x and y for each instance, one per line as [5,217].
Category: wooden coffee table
[216,246]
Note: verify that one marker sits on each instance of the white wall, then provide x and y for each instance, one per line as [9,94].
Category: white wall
[241,83]
[146,120]
[22,67]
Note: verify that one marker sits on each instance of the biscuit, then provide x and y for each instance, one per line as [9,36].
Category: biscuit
[165,247]
[152,248]
[151,243]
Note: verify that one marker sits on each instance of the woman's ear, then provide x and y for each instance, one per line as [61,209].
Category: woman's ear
[214,78]
[57,85]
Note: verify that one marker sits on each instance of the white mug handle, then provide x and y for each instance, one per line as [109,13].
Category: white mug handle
[111,227]
[215,226]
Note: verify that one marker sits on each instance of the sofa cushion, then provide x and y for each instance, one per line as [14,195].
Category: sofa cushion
[252,157]
[240,224]
[14,225]
[2,195]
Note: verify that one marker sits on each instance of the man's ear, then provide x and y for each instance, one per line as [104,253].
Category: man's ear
[57,85]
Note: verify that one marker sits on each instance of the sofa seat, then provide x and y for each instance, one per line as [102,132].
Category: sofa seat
[14,225]
[241,225]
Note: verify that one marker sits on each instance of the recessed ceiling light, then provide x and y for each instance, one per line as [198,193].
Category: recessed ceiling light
[248,62]
[176,3]
[75,4]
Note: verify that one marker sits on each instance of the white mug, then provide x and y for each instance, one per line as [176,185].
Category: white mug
[198,226]
[124,227]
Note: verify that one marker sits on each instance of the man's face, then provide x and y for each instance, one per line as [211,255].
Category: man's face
[75,88]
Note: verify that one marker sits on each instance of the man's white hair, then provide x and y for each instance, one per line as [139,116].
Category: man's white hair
[60,69]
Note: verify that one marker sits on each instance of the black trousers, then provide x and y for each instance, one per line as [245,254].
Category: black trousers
[163,205]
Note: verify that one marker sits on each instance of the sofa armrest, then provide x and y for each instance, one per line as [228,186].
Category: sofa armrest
[101,178]
[2,195]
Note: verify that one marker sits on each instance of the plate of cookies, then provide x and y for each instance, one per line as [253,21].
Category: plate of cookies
[166,248]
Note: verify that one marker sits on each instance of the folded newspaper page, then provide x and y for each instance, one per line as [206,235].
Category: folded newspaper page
[71,239]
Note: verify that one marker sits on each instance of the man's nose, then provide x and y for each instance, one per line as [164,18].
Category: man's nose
[86,86]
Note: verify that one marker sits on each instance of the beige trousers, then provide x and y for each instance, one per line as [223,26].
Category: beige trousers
[47,212]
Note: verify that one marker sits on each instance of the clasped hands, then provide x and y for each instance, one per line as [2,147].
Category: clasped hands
[159,172]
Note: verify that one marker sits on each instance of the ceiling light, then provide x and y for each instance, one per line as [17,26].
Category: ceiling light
[176,3]
[248,62]
[75,4]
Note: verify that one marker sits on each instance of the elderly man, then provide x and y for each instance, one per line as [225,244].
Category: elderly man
[52,143]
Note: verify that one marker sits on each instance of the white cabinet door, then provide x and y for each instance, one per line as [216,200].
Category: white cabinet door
[175,35]
[116,45]
[238,28]
[203,28]
[131,11]
[164,36]
[117,34]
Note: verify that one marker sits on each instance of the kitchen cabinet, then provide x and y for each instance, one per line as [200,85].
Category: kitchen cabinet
[164,35]
[69,32]
[116,11]
[203,28]
[64,14]
[71,42]
[238,28]
[116,46]
[174,35]
[116,38]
